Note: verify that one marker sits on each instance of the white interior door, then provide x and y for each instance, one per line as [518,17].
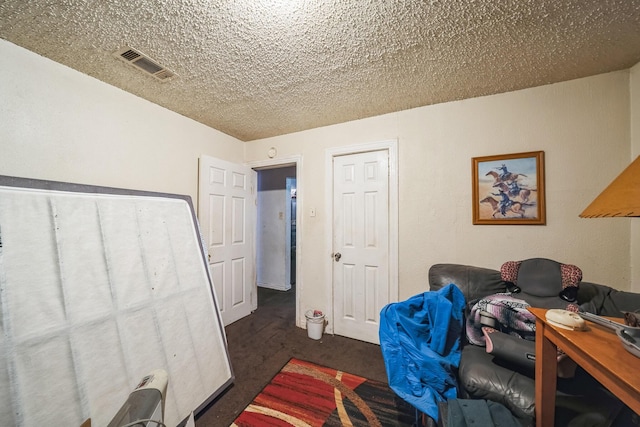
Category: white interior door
[361,243]
[227,212]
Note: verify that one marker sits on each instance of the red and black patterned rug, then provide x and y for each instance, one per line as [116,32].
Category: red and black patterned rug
[305,394]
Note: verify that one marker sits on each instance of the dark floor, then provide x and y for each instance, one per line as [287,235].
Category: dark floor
[262,343]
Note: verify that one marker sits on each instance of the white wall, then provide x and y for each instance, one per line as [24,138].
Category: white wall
[273,257]
[583,128]
[59,124]
[270,240]
[634,86]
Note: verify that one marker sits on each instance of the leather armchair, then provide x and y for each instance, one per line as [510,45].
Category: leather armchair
[485,376]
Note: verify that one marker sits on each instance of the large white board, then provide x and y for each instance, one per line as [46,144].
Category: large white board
[98,288]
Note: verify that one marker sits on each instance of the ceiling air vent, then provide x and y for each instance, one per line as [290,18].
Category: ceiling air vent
[144,63]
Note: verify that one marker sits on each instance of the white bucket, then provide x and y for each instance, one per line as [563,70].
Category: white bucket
[315,324]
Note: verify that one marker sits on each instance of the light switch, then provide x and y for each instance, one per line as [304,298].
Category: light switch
[312,212]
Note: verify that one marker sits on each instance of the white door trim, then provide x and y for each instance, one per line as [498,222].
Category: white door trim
[297,161]
[392,147]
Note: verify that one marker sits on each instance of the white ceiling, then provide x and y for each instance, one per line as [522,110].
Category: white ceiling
[259,68]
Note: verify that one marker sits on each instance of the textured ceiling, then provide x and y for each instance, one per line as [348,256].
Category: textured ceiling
[259,68]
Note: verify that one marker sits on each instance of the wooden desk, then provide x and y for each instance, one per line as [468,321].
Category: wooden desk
[598,350]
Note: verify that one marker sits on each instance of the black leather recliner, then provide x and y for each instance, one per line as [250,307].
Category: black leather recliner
[580,400]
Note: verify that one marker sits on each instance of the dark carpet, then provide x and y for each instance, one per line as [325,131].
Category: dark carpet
[263,342]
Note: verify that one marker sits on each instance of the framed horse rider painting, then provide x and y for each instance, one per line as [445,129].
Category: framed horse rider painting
[508,189]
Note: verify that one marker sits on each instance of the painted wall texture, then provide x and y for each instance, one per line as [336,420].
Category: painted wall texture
[583,126]
[61,125]
[634,86]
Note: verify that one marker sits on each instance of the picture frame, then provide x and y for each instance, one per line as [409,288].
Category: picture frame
[508,189]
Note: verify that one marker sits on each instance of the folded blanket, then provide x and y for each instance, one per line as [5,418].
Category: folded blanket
[420,339]
[511,314]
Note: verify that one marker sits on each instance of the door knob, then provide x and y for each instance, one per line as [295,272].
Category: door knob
[337,256]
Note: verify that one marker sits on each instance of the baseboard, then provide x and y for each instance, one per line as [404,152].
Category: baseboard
[278,287]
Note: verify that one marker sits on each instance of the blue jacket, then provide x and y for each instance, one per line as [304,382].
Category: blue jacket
[420,340]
